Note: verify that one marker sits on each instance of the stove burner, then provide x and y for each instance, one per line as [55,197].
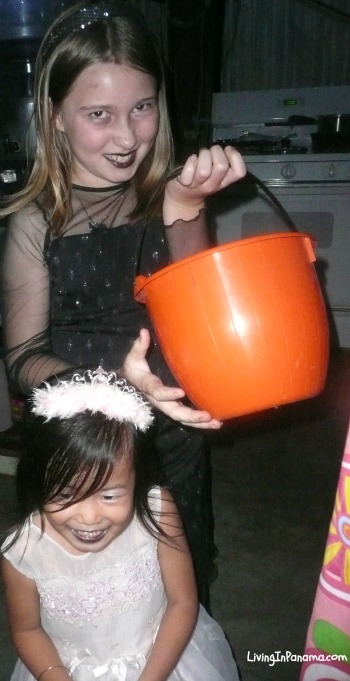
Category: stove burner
[263,147]
[274,150]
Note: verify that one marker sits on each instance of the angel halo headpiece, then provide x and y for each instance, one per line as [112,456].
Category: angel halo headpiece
[81,15]
[95,391]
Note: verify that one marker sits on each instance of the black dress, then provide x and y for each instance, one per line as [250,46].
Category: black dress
[94,319]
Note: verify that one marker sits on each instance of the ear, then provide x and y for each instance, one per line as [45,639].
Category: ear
[56,117]
[58,122]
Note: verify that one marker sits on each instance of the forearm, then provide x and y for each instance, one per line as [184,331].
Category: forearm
[26,304]
[29,356]
[32,363]
[39,654]
[186,238]
[180,210]
[173,636]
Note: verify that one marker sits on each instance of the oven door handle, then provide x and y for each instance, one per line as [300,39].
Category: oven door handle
[288,220]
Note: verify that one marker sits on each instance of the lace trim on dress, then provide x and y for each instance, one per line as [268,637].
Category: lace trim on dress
[132,583]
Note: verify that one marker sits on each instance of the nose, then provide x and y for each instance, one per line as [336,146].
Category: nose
[88,512]
[123,134]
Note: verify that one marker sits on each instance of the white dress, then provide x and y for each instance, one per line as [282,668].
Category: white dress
[102,610]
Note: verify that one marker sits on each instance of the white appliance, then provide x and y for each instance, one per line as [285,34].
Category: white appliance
[290,185]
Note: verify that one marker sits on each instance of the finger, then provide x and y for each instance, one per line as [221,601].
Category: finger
[188,171]
[228,166]
[140,345]
[201,423]
[198,169]
[210,425]
[158,392]
[236,161]
[206,162]
[214,169]
[205,424]
[186,415]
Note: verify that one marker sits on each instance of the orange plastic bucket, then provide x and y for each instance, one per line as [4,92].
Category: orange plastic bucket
[242,326]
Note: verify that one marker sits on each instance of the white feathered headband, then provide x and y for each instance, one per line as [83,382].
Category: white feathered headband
[95,391]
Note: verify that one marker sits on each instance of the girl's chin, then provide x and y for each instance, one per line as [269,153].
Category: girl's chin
[110,172]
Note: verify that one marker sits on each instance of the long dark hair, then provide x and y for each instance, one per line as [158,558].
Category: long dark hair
[84,448]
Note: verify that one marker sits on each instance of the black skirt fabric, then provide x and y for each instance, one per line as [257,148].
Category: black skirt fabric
[94,321]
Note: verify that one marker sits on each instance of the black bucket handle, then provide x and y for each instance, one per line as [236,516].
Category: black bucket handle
[176,171]
[288,220]
[249,175]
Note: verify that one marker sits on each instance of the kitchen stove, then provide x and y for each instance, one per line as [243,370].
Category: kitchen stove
[298,177]
[285,122]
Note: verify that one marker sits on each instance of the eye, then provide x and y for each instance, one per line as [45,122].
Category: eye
[145,106]
[99,115]
[112,495]
[64,496]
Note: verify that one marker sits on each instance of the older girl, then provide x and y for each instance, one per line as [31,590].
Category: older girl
[99,207]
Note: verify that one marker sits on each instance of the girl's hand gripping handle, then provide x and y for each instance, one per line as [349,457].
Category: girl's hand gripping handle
[202,175]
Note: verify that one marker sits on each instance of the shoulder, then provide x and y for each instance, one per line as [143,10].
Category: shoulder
[11,540]
[20,552]
[27,227]
[165,512]
[160,499]
[31,216]
[167,500]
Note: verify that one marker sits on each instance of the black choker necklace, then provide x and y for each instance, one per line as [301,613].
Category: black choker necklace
[99,225]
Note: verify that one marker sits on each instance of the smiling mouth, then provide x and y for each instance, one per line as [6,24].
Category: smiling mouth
[89,537]
[121,160]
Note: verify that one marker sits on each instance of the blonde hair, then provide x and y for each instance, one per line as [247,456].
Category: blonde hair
[122,40]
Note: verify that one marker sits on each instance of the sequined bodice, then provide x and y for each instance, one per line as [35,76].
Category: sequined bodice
[69,300]
[94,316]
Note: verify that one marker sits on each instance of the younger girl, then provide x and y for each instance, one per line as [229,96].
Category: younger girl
[98,576]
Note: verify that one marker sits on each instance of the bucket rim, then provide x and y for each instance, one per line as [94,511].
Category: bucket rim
[223,247]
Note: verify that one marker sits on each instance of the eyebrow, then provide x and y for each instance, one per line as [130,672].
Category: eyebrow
[111,487]
[111,106]
[106,488]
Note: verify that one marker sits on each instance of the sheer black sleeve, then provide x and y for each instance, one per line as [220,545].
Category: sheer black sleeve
[186,238]
[26,302]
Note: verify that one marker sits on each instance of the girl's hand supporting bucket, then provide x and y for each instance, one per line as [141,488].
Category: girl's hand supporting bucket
[168,400]
[202,175]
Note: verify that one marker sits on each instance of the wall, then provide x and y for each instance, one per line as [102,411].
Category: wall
[272,44]
[246,45]
[190,35]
